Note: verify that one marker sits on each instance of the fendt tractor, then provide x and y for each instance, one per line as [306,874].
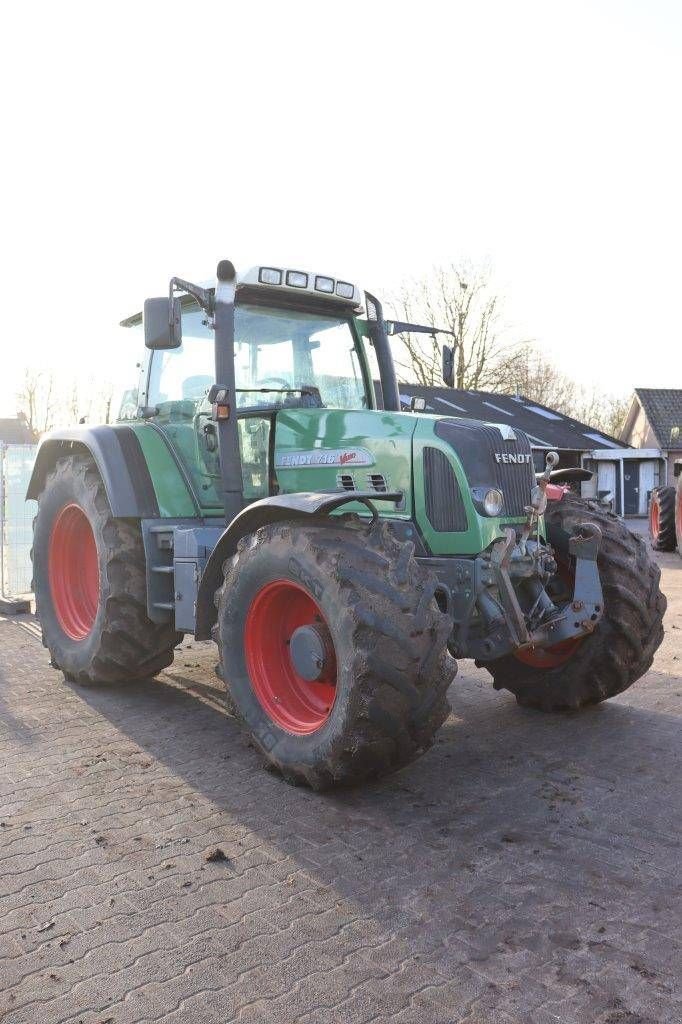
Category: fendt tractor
[342,553]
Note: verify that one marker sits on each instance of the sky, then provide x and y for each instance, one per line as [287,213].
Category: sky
[367,140]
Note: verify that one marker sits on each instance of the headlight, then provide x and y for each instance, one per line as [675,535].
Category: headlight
[297,279]
[493,502]
[324,284]
[344,289]
[269,275]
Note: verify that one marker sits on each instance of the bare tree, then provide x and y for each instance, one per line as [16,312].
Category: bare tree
[533,376]
[46,400]
[530,374]
[36,400]
[605,413]
[461,299]
[27,399]
[99,410]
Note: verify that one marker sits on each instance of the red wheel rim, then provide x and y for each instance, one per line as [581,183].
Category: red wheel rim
[73,572]
[294,703]
[549,657]
[557,654]
[654,520]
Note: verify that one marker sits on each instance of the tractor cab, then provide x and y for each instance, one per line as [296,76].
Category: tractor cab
[300,341]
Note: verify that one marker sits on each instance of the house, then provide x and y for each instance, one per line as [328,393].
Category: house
[622,474]
[655,421]
[16,431]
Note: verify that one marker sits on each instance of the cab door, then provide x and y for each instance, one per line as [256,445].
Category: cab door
[179,382]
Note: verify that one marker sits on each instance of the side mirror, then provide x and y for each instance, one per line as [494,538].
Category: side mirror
[449,365]
[162,323]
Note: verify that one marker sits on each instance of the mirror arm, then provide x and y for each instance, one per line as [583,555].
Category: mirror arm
[401,327]
[203,296]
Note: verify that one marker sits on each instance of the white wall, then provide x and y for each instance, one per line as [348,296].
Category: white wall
[641,435]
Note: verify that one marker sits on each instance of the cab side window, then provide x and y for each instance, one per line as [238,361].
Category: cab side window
[180,378]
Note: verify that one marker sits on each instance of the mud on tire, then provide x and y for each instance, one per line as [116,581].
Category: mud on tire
[389,639]
[123,643]
[622,647]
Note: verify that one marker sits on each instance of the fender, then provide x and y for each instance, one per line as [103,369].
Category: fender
[119,459]
[281,507]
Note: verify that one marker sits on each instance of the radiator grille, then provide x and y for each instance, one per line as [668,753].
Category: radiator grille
[477,446]
[444,504]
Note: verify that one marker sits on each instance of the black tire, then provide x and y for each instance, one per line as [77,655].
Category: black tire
[678,515]
[389,639]
[623,645]
[123,643]
[662,507]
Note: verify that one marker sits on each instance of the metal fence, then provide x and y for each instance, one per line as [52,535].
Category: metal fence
[16,519]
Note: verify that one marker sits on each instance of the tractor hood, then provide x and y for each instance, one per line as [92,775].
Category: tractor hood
[442,465]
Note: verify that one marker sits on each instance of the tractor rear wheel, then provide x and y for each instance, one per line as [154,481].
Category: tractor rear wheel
[662,519]
[577,673]
[333,650]
[90,583]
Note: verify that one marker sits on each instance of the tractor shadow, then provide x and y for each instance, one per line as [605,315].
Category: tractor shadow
[494,766]
[515,837]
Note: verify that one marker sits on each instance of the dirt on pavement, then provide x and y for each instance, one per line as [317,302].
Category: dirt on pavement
[527,869]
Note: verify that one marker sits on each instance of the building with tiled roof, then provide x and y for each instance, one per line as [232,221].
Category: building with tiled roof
[655,421]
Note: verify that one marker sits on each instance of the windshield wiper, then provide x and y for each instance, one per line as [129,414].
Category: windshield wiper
[280,391]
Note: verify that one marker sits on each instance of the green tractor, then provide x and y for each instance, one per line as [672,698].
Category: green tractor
[341,554]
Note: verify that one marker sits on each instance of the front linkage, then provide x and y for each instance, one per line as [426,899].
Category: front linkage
[499,600]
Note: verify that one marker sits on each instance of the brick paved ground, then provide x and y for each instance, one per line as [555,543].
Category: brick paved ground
[526,870]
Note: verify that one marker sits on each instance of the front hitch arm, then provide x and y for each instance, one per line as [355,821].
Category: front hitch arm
[579,617]
[513,613]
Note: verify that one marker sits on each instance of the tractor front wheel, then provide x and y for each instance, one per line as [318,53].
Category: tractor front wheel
[577,673]
[662,519]
[333,650]
[90,583]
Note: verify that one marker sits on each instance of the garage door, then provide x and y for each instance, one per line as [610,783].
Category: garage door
[606,484]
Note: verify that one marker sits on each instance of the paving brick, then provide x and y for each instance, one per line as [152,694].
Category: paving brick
[525,871]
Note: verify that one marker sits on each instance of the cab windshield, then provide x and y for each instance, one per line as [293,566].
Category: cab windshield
[283,349]
[282,358]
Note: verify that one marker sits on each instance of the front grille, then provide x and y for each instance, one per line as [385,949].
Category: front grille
[477,444]
[444,503]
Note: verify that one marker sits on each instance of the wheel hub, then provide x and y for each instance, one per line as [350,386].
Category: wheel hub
[289,654]
[309,650]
